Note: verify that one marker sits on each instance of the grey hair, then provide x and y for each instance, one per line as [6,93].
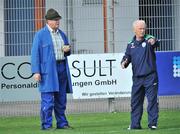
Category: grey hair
[138,21]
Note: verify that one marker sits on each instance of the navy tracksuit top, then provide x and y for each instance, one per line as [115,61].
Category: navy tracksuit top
[142,56]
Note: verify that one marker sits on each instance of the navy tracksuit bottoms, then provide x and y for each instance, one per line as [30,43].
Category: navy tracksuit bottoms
[144,86]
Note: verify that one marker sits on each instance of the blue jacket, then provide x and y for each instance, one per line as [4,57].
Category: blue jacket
[43,60]
[142,56]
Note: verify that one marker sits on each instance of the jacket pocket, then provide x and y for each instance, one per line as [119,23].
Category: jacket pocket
[43,68]
[45,52]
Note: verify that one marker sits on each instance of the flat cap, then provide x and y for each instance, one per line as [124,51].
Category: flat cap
[52,14]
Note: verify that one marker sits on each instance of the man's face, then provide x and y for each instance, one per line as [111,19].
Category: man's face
[139,30]
[54,24]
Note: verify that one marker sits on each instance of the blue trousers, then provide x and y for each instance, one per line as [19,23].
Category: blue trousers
[144,86]
[55,101]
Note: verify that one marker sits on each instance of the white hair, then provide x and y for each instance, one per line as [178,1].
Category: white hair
[138,21]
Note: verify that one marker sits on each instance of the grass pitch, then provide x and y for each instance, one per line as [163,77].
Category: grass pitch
[94,123]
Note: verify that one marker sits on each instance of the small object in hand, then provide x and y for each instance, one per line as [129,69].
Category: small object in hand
[66,46]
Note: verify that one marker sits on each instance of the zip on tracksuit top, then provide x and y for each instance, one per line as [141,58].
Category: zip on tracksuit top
[142,56]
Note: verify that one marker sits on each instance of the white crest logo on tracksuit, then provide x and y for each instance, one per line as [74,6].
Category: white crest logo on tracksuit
[143,44]
[132,45]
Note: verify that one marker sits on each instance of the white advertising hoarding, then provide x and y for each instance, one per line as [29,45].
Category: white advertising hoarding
[17,83]
[92,76]
[99,76]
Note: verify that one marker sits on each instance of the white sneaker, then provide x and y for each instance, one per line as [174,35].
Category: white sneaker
[153,127]
[137,128]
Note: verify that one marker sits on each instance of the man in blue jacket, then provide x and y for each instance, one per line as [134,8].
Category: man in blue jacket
[49,66]
[140,52]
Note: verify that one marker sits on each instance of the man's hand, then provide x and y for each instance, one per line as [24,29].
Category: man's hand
[124,64]
[152,41]
[37,77]
[66,48]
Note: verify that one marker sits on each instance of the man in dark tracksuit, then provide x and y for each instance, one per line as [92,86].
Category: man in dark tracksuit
[140,52]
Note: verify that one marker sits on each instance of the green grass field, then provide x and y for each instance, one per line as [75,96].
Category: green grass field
[95,123]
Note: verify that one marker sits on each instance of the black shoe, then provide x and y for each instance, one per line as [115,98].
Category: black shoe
[49,128]
[153,127]
[65,127]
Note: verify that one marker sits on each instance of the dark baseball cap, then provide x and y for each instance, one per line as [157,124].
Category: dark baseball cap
[52,14]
